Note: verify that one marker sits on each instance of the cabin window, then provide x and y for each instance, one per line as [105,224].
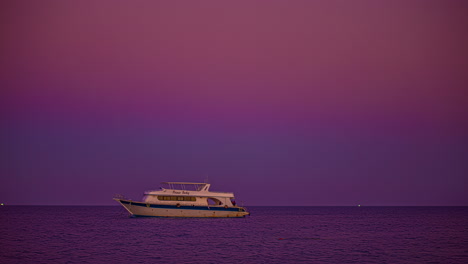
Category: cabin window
[214,201]
[177,198]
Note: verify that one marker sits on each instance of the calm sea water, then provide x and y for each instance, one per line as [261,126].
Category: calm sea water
[105,234]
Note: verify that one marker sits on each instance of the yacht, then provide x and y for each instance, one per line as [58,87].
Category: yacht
[184,199]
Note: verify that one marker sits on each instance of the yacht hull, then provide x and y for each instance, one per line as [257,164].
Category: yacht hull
[157,210]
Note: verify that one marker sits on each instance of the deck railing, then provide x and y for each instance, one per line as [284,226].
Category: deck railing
[120,196]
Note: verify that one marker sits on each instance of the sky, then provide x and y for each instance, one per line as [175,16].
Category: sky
[311,103]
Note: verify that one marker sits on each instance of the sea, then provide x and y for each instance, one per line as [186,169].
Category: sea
[106,234]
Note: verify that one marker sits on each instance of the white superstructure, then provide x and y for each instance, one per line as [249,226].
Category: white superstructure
[184,199]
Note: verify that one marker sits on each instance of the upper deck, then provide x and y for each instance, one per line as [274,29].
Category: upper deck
[188,189]
[187,186]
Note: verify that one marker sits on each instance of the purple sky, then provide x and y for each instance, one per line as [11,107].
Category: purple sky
[282,102]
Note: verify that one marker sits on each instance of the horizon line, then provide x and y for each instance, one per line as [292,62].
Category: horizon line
[117,205]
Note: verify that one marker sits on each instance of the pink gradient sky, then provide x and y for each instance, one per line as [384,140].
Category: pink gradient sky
[323,102]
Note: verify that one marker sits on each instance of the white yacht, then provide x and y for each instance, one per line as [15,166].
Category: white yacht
[184,199]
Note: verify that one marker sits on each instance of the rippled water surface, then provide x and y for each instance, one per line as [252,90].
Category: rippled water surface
[99,234]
